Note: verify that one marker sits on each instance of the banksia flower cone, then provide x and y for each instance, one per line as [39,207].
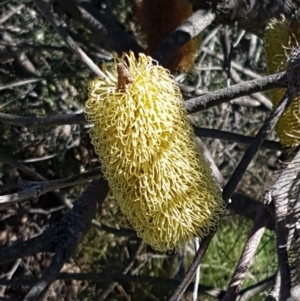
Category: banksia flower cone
[281,36]
[156,19]
[148,153]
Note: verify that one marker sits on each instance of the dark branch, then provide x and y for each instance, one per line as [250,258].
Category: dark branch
[116,277]
[242,205]
[250,15]
[141,279]
[125,270]
[35,189]
[69,232]
[283,195]
[23,249]
[193,267]
[34,122]
[181,35]
[227,94]
[291,92]
[103,25]
[253,290]
[255,145]
[61,238]
[67,38]
[192,105]
[228,136]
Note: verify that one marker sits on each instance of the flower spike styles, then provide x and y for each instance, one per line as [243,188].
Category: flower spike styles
[162,183]
[281,36]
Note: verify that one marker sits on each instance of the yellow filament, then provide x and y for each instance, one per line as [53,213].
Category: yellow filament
[147,149]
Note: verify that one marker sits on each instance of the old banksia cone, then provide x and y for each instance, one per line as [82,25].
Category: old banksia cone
[281,35]
[145,143]
[156,19]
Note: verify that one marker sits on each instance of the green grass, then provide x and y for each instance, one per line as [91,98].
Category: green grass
[225,250]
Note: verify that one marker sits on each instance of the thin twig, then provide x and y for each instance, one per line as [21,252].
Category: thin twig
[68,39]
[36,189]
[249,292]
[216,172]
[35,122]
[193,268]
[234,65]
[246,207]
[13,10]
[141,279]
[103,25]
[117,277]
[228,136]
[212,99]
[127,268]
[8,159]
[9,275]
[257,142]
[274,293]
[197,276]
[21,58]
[20,83]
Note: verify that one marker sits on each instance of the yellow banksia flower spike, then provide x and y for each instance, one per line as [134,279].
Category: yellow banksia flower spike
[281,35]
[156,19]
[146,145]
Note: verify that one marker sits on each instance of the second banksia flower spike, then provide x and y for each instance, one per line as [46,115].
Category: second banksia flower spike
[281,36]
[162,183]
